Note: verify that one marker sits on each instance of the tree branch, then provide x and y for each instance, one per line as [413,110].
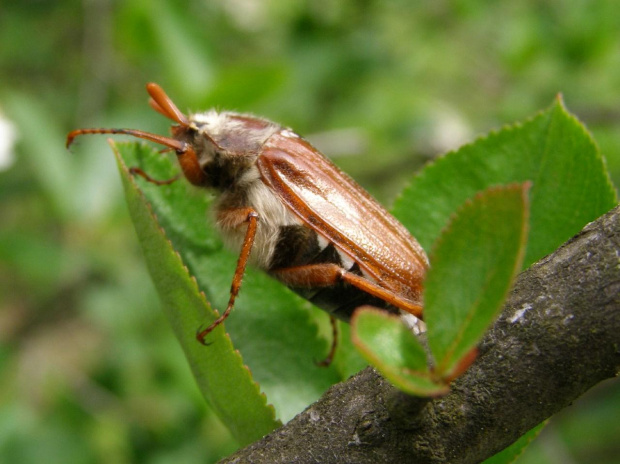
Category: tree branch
[558,336]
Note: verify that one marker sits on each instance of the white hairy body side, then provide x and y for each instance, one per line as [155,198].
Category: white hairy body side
[272,214]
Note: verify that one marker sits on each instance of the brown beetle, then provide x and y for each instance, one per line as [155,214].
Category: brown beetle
[292,213]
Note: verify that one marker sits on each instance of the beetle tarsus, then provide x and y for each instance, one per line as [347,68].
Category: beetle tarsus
[201,335]
[202,339]
[332,351]
[137,171]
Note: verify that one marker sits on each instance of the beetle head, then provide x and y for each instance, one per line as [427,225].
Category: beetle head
[214,149]
[225,144]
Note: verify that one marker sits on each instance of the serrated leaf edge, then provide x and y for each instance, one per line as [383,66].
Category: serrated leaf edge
[192,278]
[581,126]
[491,134]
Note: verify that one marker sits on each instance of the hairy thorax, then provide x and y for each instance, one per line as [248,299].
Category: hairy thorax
[272,216]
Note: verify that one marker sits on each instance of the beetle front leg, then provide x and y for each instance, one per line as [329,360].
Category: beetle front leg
[137,171]
[239,216]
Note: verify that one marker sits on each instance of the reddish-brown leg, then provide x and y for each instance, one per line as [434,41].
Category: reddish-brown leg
[330,356]
[144,175]
[325,275]
[251,217]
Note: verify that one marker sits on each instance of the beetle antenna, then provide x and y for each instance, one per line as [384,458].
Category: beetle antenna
[162,103]
[176,145]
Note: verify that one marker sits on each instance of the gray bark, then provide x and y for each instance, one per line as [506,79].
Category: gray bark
[558,335]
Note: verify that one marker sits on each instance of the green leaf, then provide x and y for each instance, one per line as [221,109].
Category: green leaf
[223,379]
[512,453]
[570,187]
[472,268]
[348,360]
[273,329]
[389,345]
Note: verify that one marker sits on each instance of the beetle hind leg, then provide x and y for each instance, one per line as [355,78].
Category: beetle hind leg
[329,274]
[332,351]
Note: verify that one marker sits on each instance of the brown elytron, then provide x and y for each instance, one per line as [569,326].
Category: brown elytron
[332,204]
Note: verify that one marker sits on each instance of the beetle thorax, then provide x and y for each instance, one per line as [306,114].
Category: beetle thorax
[272,214]
[227,146]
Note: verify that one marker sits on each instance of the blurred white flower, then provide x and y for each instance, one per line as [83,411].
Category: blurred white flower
[8,137]
[449,129]
[250,15]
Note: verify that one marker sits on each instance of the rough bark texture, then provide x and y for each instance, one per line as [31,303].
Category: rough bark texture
[558,336]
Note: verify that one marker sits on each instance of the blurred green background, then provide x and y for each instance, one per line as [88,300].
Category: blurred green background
[89,370]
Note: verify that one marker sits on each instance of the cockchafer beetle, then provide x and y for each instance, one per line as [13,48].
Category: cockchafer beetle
[292,213]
